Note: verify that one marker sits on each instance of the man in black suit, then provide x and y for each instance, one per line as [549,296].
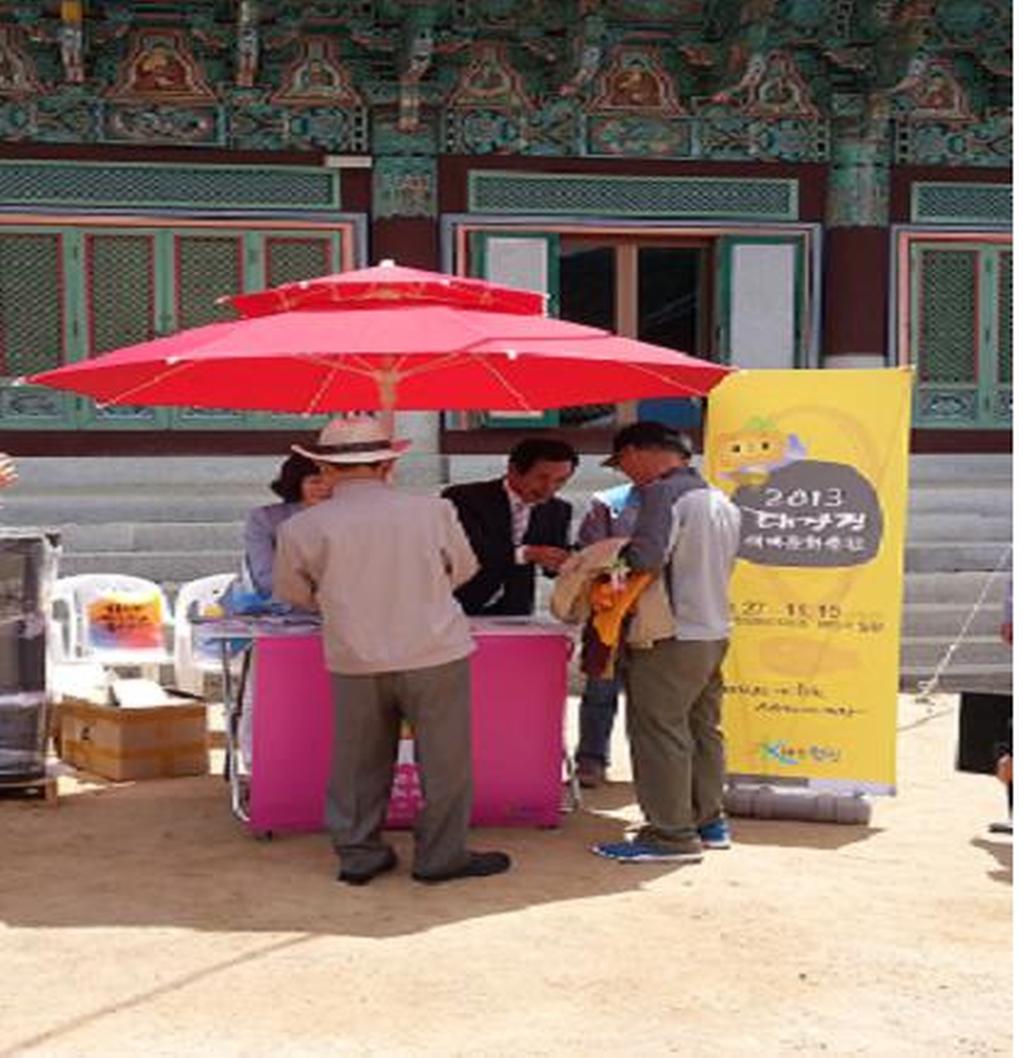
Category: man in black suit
[516,524]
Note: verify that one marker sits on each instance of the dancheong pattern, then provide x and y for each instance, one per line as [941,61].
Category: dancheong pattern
[917,82]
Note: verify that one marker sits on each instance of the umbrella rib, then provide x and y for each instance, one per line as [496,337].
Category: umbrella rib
[523,402]
[321,389]
[688,390]
[429,365]
[353,364]
[174,369]
[359,366]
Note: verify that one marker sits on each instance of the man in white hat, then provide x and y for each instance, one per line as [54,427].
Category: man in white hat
[380,566]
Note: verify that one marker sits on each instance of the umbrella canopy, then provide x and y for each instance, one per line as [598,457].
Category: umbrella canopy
[390,284]
[347,349]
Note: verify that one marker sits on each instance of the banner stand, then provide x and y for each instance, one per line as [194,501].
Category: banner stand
[767,801]
[817,463]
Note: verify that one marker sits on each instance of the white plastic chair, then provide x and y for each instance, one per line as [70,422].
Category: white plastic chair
[193,657]
[113,619]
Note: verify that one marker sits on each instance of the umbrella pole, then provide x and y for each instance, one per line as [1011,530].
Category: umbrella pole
[387,391]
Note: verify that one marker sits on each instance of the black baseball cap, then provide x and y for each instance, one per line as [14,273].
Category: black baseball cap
[648,434]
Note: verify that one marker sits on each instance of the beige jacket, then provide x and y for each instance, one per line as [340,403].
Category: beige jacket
[380,565]
[570,599]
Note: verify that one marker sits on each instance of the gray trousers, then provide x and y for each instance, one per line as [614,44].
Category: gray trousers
[673,718]
[368,711]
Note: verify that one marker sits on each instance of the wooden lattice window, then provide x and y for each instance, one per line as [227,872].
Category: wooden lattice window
[948,316]
[31,302]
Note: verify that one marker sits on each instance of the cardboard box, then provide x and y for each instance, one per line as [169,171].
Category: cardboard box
[149,742]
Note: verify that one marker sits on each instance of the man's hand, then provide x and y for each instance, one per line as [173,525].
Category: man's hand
[8,472]
[549,558]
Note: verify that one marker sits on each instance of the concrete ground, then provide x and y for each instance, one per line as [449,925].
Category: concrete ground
[139,920]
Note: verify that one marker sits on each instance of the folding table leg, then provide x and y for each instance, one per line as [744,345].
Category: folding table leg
[233,708]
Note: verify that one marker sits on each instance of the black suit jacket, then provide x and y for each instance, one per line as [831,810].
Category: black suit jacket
[486,515]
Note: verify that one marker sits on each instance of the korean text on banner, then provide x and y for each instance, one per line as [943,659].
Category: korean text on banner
[817,463]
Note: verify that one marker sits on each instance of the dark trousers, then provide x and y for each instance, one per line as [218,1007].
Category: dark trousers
[368,712]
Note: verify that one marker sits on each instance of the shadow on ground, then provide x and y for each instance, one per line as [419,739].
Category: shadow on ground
[168,853]
[1002,853]
[783,833]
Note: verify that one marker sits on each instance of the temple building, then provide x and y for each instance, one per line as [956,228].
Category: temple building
[768,183]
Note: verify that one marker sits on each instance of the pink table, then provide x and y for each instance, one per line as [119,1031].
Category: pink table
[518,701]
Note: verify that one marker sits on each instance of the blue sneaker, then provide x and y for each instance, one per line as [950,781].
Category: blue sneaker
[646,852]
[716,834]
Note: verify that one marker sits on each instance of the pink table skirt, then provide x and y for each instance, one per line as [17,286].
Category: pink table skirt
[518,676]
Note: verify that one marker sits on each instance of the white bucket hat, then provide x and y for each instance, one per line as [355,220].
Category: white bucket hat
[359,439]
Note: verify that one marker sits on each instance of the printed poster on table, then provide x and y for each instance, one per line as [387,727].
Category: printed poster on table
[817,463]
[125,620]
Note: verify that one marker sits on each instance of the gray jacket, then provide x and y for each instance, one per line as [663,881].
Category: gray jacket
[692,532]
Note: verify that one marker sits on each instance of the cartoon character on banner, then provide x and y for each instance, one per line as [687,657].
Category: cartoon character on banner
[797,511]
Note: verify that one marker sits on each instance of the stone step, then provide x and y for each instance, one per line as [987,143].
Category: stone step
[963,588]
[933,478]
[925,526]
[932,473]
[152,536]
[165,567]
[995,678]
[45,474]
[232,504]
[972,651]
[97,509]
[960,466]
[946,619]
[953,556]
[962,498]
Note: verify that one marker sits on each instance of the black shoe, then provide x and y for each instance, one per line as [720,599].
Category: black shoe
[590,772]
[479,865]
[362,877]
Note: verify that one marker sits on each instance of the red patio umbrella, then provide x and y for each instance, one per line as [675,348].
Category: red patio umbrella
[387,338]
[394,284]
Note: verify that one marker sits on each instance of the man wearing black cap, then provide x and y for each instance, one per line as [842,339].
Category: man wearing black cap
[689,532]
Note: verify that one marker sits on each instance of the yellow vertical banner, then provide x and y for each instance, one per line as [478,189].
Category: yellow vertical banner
[817,462]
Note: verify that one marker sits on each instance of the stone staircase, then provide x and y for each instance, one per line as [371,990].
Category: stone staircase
[959,532]
[176,518]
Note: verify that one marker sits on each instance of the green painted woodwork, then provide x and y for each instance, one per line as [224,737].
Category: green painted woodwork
[126,301]
[72,292]
[1004,317]
[138,185]
[858,179]
[30,302]
[938,203]
[860,87]
[724,249]
[493,191]
[40,322]
[288,258]
[961,334]
[481,247]
[718,80]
